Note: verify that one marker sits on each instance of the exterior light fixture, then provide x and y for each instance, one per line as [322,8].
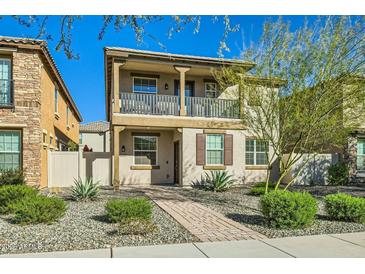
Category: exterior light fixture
[166,86]
[123,149]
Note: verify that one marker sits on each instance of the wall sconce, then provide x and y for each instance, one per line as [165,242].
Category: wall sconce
[166,86]
[123,149]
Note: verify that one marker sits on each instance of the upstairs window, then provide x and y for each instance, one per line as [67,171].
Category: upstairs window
[67,116]
[5,82]
[56,99]
[211,90]
[144,85]
[360,155]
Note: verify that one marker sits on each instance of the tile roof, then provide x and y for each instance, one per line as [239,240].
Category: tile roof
[97,126]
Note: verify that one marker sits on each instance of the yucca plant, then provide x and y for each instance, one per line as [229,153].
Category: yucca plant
[218,181]
[85,190]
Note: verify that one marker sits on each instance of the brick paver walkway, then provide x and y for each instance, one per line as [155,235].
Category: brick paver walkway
[204,223]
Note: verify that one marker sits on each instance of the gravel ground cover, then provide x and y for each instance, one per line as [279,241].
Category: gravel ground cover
[243,208]
[84,226]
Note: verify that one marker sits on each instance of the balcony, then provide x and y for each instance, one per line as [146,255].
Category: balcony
[153,104]
[6,93]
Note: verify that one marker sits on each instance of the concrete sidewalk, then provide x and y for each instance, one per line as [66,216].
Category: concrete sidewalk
[351,245]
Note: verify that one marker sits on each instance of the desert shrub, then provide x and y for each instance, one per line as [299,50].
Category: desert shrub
[338,174]
[38,209]
[11,177]
[10,194]
[284,209]
[85,190]
[135,226]
[344,207]
[216,181]
[118,210]
[258,189]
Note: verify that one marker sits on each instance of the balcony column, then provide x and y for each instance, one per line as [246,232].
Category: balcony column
[117,64]
[116,148]
[182,71]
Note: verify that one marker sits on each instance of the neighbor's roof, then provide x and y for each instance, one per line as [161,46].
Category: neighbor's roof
[97,126]
[41,45]
[126,52]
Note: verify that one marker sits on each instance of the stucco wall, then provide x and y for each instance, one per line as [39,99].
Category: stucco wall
[98,141]
[126,82]
[163,175]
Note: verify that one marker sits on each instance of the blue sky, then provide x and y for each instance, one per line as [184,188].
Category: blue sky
[85,77]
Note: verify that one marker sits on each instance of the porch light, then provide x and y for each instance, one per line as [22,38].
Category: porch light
[123,149]
[166,86]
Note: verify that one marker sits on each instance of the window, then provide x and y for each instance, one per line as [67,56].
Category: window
[56,99]
[360,156]
[147,85]
[145,150]
[211,90]
[44,137]
[214,149]
[67,116]
[9,149]
[5,82]
[256,152]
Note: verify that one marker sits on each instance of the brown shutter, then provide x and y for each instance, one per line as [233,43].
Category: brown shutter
[228,149]
[200,149]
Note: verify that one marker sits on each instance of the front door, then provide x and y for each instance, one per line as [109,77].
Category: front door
[189,88]
[176,162]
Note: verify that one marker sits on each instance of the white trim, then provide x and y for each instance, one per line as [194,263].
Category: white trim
[149,78]
[255,154]
[206,149]
[134,158]
[205,89]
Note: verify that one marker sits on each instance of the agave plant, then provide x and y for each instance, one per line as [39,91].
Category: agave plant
[85,190]
[218,181]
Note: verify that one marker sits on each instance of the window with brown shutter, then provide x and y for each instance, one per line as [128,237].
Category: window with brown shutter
[228,149]
[200,149]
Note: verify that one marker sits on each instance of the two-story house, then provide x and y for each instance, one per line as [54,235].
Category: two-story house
[37,112]
[170,123]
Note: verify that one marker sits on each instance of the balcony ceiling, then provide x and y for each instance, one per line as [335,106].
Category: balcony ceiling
[156,67]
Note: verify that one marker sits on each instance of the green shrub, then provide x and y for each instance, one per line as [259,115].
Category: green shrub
[38,209]
[118,210]
[216,181]
[259,189]
[133,226]
[284,209]
[85,190]
[344,207]
[10,194]
[11,177]
[338,174]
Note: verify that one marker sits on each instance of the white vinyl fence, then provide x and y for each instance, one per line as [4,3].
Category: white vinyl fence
[315,171]
[65,166]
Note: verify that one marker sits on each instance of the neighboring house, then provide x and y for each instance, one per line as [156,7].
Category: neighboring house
[96,136]
[37,112]
[171,124]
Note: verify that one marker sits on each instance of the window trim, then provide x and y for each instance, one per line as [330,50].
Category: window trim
[205,89]
[11,90]
[20,143]
[254,154]
[148,78]
[134,157]
[56,95]
[357,155]
[206,150]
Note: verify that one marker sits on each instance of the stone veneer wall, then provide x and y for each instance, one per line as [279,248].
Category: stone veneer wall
[350,157]
[26,69]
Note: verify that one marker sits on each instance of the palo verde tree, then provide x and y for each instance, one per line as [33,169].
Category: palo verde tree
[137,23]
[308,91]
